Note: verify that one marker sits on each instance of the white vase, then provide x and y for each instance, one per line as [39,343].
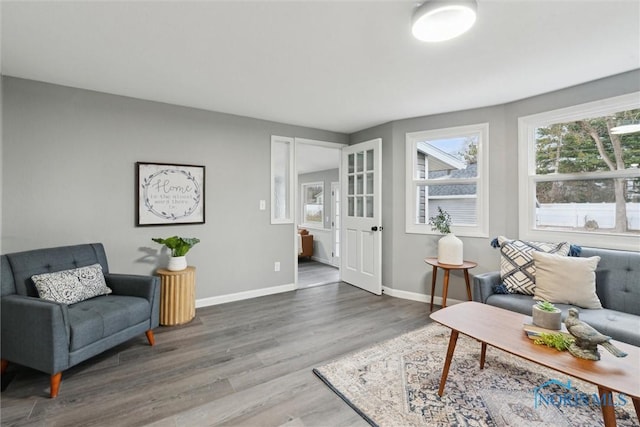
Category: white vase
[450,250]
[177,263]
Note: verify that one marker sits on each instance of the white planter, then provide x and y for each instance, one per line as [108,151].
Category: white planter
[177,263]
[450,250]
[547,319]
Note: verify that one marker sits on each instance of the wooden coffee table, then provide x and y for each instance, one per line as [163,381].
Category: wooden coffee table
[502,329]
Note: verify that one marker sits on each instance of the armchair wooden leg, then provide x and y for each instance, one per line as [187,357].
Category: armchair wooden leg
[55,384]
[3,365]
[150,337]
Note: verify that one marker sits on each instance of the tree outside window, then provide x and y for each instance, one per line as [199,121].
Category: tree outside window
[583,146]
[584,173]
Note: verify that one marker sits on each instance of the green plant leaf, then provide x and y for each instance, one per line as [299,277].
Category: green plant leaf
[179,245]
[556,340]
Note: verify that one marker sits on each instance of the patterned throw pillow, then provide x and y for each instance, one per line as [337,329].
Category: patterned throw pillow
[517,270]
[72,286]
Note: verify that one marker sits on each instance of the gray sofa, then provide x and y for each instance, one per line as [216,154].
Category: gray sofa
[617,286]
[50,336]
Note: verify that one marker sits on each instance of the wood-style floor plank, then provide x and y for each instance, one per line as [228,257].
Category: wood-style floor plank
[312,273]
[246,363]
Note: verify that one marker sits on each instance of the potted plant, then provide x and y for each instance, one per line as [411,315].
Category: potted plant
[546,315]
[179,247]
[449,247]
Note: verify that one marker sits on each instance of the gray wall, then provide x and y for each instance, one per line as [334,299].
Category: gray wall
[402,266]
[68,177]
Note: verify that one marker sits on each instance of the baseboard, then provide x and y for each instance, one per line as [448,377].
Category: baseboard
[322,261]
[222,299]
[239,296]
[414,296]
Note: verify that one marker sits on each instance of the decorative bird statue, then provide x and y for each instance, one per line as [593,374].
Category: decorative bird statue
[587,339]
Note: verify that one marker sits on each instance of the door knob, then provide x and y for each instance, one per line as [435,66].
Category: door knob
[374,228]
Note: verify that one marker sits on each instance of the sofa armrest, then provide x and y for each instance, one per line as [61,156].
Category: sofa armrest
[147,287]
[35,333]
[133,285]
[483,285]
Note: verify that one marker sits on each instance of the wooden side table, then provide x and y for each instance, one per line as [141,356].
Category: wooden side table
[177,296]
[465,266]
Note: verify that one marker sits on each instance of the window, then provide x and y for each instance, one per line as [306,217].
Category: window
[447,168]
[281,181]
[313,204]
[580,175]
[360,184]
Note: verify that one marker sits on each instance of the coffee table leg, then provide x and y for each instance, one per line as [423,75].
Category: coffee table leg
[483,353]
[608,413]
[636,404]
[433,285]
[447,362]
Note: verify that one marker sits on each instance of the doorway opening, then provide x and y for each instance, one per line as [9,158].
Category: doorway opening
[317,193]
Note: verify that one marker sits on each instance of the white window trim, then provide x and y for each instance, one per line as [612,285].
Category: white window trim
[527,177]
[482,180]
[318,225]
[291,184]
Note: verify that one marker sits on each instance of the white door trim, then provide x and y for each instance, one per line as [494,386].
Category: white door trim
[296,196]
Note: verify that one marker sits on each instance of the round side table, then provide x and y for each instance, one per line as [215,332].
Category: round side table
[465,266]
[177,296]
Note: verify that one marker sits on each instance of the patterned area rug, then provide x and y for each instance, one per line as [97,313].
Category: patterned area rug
[395,383]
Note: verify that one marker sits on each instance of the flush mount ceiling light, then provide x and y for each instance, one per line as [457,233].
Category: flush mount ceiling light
[440,20]
[626,126]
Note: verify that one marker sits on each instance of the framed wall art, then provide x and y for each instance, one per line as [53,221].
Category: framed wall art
[168,194]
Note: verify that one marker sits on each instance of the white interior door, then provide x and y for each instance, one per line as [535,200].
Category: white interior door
[361,251]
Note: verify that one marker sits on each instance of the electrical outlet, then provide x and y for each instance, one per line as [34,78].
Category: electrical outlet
[276,266]
[263,205]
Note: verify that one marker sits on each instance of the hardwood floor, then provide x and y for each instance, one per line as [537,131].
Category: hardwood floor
[245,363]
[313,273]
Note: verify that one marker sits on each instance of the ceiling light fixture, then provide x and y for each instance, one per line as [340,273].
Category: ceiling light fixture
[626,126]
[440,20]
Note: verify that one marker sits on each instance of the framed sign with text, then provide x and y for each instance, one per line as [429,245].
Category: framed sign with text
[169,194]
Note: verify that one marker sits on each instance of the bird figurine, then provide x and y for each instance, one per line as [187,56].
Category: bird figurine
[587,339]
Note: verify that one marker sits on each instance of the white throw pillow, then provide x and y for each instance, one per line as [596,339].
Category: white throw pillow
[566,280]
[72,286]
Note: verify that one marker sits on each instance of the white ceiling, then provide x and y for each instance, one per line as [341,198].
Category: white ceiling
[334,65]
[314,158]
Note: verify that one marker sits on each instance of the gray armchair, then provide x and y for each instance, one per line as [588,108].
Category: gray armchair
[50,336]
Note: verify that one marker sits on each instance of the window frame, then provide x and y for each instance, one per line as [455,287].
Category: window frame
[287,217]
[303,204]
[481,229]
[527,177]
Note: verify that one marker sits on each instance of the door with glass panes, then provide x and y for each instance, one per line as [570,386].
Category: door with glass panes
[361,257]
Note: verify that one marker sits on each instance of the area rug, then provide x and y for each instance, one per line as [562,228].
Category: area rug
[395,383]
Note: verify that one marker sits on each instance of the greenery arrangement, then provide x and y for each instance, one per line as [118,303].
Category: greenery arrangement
[557,340]
[546,306]
[441,222]
[179,245]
